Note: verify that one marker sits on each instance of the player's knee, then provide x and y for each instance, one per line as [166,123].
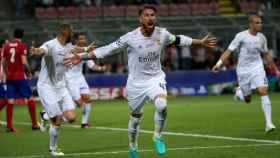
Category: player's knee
[11,101]
[86,98]
[263,91]
[70,116]
[160,104]
[71,119]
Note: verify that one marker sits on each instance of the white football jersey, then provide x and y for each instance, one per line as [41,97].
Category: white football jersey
[77,70]
[143,52]
[52,68]
[250,48]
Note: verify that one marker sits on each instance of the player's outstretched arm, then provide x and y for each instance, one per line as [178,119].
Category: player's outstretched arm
[37,51]
[216,68]
[206,41]
[268,57]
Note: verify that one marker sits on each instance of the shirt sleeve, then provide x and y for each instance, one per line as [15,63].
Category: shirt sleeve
[171,38]
[235,43]
[112,48]
[46,47]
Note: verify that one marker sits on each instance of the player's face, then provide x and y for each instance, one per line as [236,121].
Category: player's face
[68,33]
[148,19]
[82,41]
[256,24]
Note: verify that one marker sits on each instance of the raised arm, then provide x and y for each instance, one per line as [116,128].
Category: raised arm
[206,41]
[95,67]
[220,62]
[234,45]
[100,52]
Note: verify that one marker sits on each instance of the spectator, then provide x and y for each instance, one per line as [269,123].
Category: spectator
[185,58]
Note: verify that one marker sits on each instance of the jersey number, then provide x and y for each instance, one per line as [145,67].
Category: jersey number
[13,52]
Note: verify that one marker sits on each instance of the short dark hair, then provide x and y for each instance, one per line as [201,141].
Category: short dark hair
[18,33]
[144,7]
[64,26]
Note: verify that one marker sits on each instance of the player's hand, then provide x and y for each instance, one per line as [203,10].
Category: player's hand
[91,47]
[32,50]
[216,68]
[72,59]
[78,50]
[29,75]
[209,41]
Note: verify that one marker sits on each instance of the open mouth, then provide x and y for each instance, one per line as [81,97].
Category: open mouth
[150,24]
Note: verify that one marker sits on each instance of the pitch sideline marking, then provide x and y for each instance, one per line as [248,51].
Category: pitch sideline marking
[178,134]
[148,150]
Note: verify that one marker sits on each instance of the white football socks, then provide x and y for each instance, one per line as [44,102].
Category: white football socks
[86,109]
[53,132]
[160,116]
[266,106]
[133,131]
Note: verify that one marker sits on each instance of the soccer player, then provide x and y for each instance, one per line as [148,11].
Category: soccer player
[2,78]
[51,85]
[251,43]
[15,65]
[146,80]
[77,85]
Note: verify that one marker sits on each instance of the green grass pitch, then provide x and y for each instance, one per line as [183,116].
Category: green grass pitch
[197,127]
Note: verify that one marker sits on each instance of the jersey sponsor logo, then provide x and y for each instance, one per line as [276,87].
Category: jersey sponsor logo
[152,56]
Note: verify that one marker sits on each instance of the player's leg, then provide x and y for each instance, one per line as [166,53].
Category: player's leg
[26,92]
[2,103]
[3,100]
[158,94]
[266,107]
[160,103]
[11,95]
[68,108]
[86,108]
[51,103]
[136,113]
[246,91]
[53,133]
[238,94]
[260,81]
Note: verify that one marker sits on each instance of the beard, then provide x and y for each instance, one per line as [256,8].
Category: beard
[68,40]
[148,28]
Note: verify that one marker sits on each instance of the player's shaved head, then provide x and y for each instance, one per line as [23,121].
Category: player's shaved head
[255,23]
